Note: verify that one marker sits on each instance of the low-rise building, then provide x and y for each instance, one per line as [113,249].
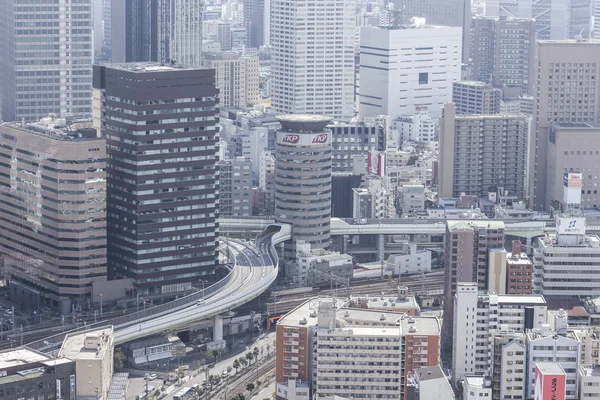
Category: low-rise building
[25,372]
[412,198]
[589,382]
[317,266]
[92,352]
[429,383]
[419,127]
[509,354]
[477,387]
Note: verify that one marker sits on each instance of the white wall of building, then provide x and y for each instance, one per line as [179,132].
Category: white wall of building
[403,69]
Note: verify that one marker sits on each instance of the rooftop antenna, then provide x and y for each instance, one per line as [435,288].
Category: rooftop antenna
[397,17]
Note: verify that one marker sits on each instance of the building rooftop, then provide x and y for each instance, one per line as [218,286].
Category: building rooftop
[20,356]
[474,224]
[473,83]
[430,373]
[577,125]
[55,128]
[143,67]
[550,368]
[420,326]
[518,259]
[529,299]
[88,345]
[303,122]
[475,381]
[590,370]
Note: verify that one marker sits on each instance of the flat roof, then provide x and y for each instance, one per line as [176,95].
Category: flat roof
[20,356]
[522,299]
[475,381]
[590,370]
[429,373]
[73,346]
[550,368]
[420,326]
[474,224]
[303,122]
[150,67]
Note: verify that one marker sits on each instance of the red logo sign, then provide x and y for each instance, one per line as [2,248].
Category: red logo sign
[320,138]
[293,139]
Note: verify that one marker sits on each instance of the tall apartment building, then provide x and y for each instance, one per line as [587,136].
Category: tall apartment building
[479,153]
[328,350]
[509,355]
[573,148]
[544,346]
[254,22]
[563,65]
[351,142]
[46,65]
[503,52]
[477,317]
[235,187]
[555,19]
[303,179]
[160,125]
[564,263]
[430,59]
[472,97]
[519,271]
[312,56]
[236,78]
[445,13]
[266,181]
[53,195]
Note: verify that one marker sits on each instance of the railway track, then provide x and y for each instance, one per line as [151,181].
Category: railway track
[265,371]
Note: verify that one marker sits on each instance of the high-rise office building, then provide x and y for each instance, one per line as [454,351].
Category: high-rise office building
[53,211]
[563,66]
[445,13]
[236,78]
[503,52]
[472,97]
[303,179]
[480,153]
[160,125]
[179,31]
[430,59]
[166,31]
[555,19]
[254,22]
[46,65]
[312,50]
[133,25]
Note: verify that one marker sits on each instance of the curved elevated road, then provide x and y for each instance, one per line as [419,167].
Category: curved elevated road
[254,270]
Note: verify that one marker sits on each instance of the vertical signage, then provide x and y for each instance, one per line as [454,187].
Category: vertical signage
[58,390]
[72,387]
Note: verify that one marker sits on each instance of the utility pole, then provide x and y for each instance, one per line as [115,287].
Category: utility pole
[101,301]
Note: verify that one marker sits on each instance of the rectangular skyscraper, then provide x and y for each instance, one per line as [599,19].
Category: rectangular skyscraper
[52,211]
[160,124]
[45,64]
[254,22]
[568,91]
[442,12]
[313,57]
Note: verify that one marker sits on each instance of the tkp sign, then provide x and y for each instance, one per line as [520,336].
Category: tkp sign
[322,138]
[293,139]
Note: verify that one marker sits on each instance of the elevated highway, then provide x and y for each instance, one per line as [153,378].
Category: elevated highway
[254,270]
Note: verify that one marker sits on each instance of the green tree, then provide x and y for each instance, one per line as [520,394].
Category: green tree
[214,354]
[268,349]
[250,387]
[229,368]
[119,359]
[249,357]
[412,160]
[236,365]
[255,353]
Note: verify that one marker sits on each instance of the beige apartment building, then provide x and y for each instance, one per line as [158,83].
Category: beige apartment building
[482,152]
[567,91]
[236,78]
[53,213]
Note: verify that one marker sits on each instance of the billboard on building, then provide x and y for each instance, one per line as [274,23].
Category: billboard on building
[571,226]
[376,163]
[550,382]
[304,139]
[72,387]
[572,185]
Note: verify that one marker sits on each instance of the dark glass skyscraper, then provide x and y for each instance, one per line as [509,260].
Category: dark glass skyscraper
[160,125]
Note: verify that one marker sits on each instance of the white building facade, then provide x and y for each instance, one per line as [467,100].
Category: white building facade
[404,69]
[312,50]
[419,127]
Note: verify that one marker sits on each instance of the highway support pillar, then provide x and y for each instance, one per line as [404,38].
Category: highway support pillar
[380,247]
[218,329]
